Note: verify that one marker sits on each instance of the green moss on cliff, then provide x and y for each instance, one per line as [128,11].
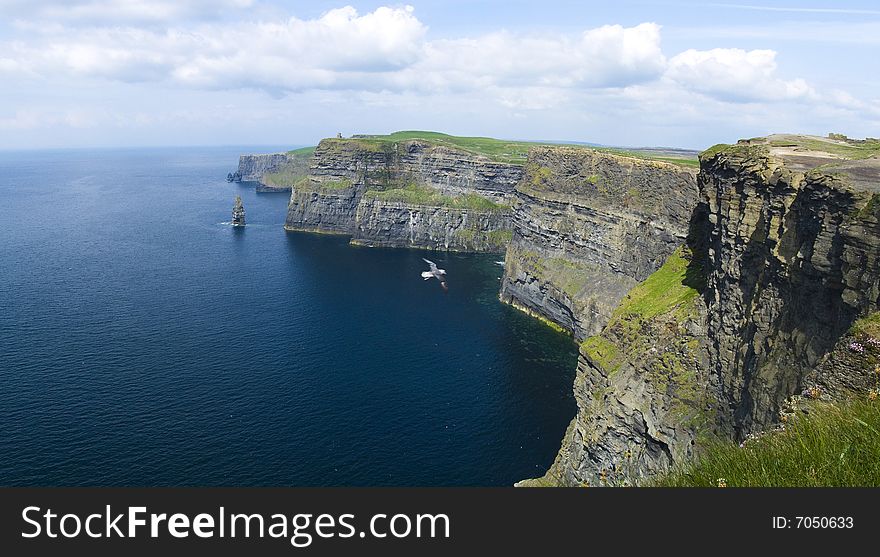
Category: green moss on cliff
[416,194]
[868,325]
[566,275]
[671,287]
[669,292]
[738,150]
[870,207]
[538,175]
[281,178]
[327,186]
[500,237]
[602,352]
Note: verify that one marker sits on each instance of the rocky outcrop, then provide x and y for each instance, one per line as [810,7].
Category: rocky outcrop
[238,212]
[587,227]
[405,194]
[760,306]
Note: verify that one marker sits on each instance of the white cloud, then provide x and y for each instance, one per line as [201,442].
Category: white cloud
[385,62]
[339,49]
[607,56]
[121,11]
[735,74]
[382,50]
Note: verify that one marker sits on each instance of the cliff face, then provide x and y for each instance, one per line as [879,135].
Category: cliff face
[587,227]
[396,224]
[275,172]
[252,167]
[640,385]
[405,194]
[792,246]
[758,307]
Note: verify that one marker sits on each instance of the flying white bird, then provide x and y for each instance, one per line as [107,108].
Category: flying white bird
[439,274]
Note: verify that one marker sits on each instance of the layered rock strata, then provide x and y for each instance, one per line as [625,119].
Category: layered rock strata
[587,227]
[759,307]
[405,194]
[275,172]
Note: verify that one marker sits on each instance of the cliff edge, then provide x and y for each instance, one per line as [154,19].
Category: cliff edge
[771,297]
[589,225]
[384,191]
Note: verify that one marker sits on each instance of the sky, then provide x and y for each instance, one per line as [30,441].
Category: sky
[132,73]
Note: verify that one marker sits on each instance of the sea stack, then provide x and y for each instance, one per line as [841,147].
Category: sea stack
[238,212]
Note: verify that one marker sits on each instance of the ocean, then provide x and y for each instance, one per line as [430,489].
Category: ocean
[146,342]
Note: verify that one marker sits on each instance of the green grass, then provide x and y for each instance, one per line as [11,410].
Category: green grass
[415,194]
[868,325]
[304,151]
[332,185]
[830,446]
[674,285]
[671,289]
[850,150]
[500,150]
[282,178]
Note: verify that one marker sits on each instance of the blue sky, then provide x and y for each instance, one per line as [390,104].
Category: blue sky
[84,73]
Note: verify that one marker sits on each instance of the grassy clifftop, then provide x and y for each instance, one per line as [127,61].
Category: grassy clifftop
[826,446]
[513,152]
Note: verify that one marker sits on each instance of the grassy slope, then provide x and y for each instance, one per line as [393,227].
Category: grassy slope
[830,446]
[671,288]
[514,152]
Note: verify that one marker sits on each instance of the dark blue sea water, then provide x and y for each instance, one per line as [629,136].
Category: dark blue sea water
[145,342]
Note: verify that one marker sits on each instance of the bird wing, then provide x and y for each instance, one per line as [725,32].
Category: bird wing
[431,264]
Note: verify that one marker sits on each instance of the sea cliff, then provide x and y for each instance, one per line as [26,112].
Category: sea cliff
[273,172]
[588,226]
[406,193]
[761,305]
[705,302]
